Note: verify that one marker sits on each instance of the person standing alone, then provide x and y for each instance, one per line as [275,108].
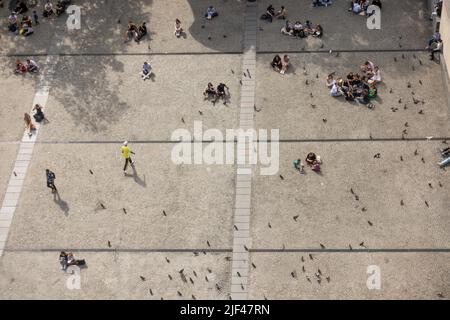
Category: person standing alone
[51,180]
[126,153]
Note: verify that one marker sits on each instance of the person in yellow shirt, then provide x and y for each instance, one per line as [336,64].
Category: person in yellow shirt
[126,153]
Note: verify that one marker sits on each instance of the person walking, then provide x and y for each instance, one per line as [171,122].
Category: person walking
[435,48]
[126,153]
[51,180]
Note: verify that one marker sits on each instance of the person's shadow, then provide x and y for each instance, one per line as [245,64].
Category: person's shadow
[136,177]
[61,203]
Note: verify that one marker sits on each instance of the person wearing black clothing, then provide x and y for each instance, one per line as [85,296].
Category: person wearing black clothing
[21,8]
[377,3]
[142,31]
[221,92]
[276,63]
[51,180]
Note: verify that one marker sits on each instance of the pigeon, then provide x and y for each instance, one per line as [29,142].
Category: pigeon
[423,160]
[406,124]
[195,273]
[401,158]
[256,109]
[440,184]
[238,274]
[248,72]
[240,81]
[232,71]
[362,244]
[253,265]
[350,247]
[206,278]
[179,293]
[209,37]
[218,287]
[420,61]
[168,261]
[430,185]
[242,287]
[311,95]
[201,113]
[310,256]
[142,278]
[440,295]
[319,281]
[181,271]
[245,247]
[270,226]
[313,106]
[413,93]
[307,278]
[420,81]
[416,101]
[317,76]
[209,270]
[170,277]
[405,131]
[303,259]
[150,290]
[403,56]
[102,205]
[420,111]
[89,171]
[207,242]
[416,152]
[409,85]
[322,246]
[294,274]
[321,46]
[370,223]
[203,26]
[395,59]
[328,279]
[402,203]
[281,177]
[124,211]
[364,209]
[351,190]
[378,156]
[370,136]
[182,120]
[307,82]
[324,120]
[109,243]
[224,35]
[337,54]
[356,198]
[193,297]
[426,203]
[192,281]
[296,217]
[400,100]
[390,91]
[399,45]
[236,228]
[164,213]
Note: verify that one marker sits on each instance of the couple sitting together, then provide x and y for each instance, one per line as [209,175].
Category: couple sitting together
[270,13]
[30,66]
[134,32]
[302,30]
[212,94]
[280,65]
[22,27]
[360,6]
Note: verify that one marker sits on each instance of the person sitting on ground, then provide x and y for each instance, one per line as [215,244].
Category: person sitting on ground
[288,29]
[299,30]
[39,115]
[355,7]
[26,30]
[373,91]
[20,67]
[178,28]
[21,8]
[376,3]
[298,165]
[308,27]
[32,66]
[368,66]
[435,48]
[210,92]
[284,64]
[211,12]
[336,89]
[13,23]
[317,31]
[330,81]
[60,8]
[282,13]
[27,19]
[375,76]
[321,3]
[48,9]
[142,31]
[71,261]
[270,13]
[29,126]
[313,161]
[131,32]
[221,94]
[63,260]
[436,37]
[146,70]
[276,63]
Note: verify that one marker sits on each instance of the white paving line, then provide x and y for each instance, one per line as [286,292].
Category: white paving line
[24,154]
[242,240]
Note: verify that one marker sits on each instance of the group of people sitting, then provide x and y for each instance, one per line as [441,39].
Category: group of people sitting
[280,65]
[38,117]
[60,8]
[134,32]
[356,87]
[360,6]
[302,30]
[214,95]
[270,13]
[312,160]
[24,26]
[29,66]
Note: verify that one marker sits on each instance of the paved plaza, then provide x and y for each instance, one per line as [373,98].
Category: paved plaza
[202,231]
